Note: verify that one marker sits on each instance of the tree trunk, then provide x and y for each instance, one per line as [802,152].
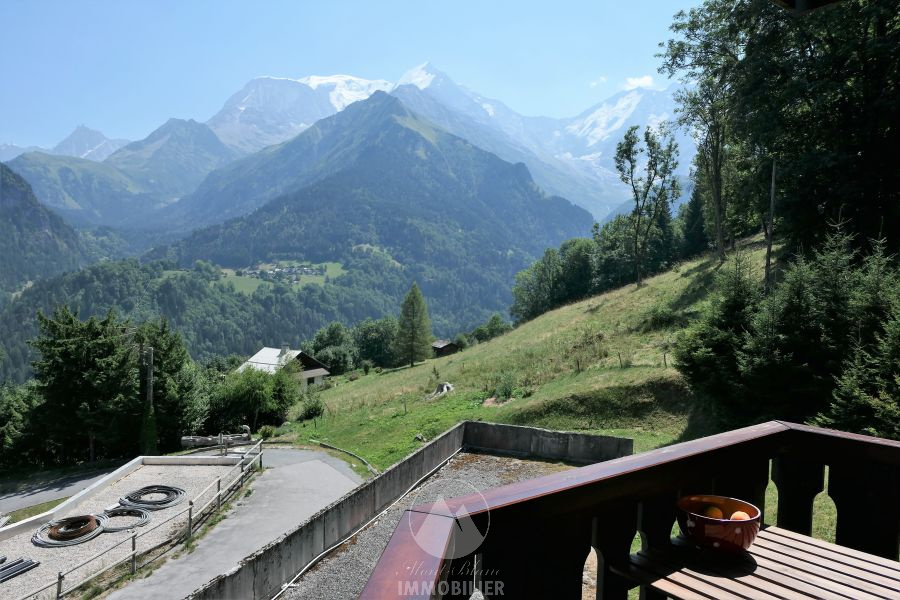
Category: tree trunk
[770,232]
[91,445]
[715,184]
[714,173]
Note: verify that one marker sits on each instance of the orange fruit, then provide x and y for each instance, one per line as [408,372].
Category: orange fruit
[740,515]
[713,512]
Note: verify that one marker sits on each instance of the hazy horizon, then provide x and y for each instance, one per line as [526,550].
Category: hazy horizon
[132,66]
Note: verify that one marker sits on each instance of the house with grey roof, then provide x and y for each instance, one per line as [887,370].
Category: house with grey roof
[270,360]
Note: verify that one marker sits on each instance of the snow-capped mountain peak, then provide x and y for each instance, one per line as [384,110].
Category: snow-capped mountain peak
[605,118]
[346,89]
[270,110]
[421,76]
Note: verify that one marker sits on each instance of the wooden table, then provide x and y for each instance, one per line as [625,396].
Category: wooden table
[780,564]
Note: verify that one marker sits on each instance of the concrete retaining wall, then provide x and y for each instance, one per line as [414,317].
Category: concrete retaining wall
[187,459]
[262,574]
[567,446]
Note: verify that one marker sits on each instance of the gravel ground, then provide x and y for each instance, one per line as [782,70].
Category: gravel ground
[344,573]
[191,478]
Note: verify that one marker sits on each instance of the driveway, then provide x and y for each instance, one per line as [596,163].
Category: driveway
[51,489]
[295,485]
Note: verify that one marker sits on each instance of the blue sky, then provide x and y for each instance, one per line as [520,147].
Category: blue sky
[125,67]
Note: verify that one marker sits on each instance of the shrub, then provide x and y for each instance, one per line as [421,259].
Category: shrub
[461,341]
[311,407]
[661,316]
[266,432]
[367,366]
[502,385]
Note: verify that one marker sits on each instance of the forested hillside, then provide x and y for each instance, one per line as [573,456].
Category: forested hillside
[435,203]
[174,159]
[34,241]
[213,318]
[84,191]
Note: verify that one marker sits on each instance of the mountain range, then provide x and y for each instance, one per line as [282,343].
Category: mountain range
[393,198]
[378,175]
[83,142]
[130,187]
[140,184]
[571,157]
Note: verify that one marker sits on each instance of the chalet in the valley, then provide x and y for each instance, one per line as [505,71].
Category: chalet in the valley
[271,359]
[444,348]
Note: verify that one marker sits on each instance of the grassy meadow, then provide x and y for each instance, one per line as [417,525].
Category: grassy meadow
[601,365]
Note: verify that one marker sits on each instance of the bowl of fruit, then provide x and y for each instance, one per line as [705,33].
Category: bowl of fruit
[718,522]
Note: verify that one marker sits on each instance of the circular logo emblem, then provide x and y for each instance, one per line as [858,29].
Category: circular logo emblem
[466,538]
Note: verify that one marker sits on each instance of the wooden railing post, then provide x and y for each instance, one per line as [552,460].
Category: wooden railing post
[133,552]
[190,523]
[566,546]
[798,482]
[656,516]
[613,532]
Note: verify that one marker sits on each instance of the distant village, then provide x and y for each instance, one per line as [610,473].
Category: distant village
[284,274]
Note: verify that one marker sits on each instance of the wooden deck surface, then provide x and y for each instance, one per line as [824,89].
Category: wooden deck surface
[780,564]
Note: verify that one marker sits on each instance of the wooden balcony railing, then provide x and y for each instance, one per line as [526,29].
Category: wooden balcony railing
[540,531]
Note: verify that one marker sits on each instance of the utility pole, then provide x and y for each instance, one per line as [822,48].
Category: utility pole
[148,424]
[150,377]
[771,232]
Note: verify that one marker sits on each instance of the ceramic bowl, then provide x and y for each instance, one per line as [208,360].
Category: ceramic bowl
[725,534]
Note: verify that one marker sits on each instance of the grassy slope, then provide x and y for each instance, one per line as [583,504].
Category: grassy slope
[565,365]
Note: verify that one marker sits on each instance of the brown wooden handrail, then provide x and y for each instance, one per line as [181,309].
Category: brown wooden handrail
[604,504]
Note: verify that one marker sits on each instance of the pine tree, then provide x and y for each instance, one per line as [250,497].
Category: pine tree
[694,238]
[414,330]
[88,377]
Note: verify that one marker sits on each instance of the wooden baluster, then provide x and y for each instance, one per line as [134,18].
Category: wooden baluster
[866,497]
[656,516]
[798,481]
[459,577]
[504,554]
[744,478]
[614,530]
[558,571]
[538,560]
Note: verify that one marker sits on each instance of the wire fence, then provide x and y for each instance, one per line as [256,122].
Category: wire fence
[199,509]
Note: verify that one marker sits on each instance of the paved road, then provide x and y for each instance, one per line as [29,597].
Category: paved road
[45,491]
[295,486]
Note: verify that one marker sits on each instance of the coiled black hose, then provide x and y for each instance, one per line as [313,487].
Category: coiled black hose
[126,511]
[137,499]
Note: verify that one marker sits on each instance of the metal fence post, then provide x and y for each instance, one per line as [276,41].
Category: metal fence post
[190,518]
[260,458]
[59,584]
[219,492]
[133,552]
